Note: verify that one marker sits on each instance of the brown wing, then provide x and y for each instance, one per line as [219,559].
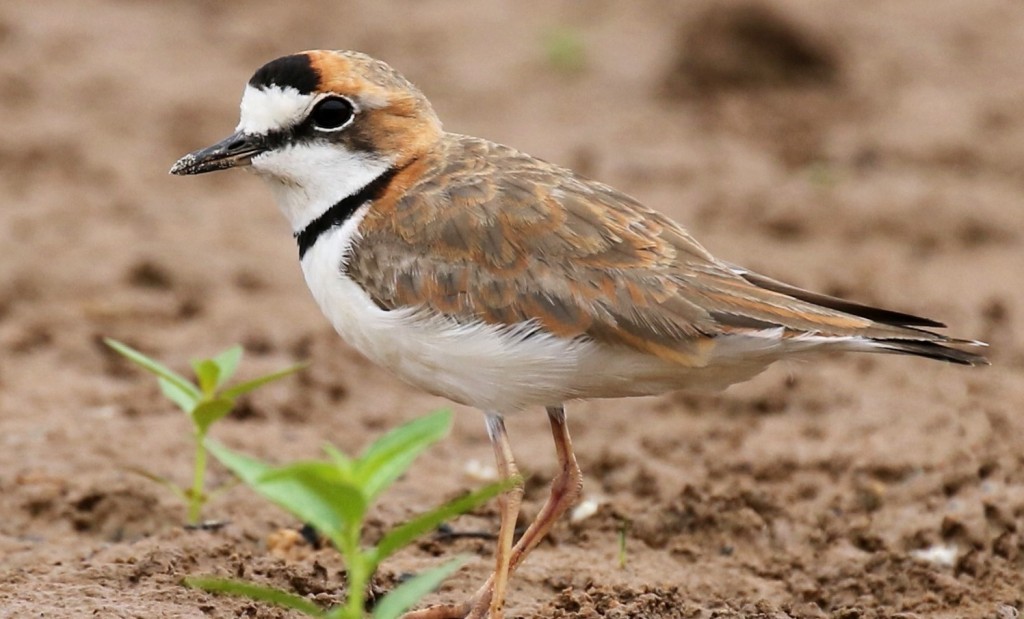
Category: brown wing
[485,233]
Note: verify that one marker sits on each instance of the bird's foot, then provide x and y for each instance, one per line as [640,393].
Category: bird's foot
[481,605]
[478,607]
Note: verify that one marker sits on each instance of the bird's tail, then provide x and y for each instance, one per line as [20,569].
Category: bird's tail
[940,350]
[887,332]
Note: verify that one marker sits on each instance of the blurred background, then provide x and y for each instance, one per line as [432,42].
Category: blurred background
[872,150]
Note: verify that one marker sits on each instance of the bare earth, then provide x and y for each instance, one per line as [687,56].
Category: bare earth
[869,149]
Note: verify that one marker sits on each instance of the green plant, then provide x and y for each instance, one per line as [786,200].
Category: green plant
[623,532]
[565,50]
[205,402]
[334,496]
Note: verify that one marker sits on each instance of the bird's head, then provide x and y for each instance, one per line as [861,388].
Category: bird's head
[319,125]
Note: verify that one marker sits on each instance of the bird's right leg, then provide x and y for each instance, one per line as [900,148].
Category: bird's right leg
[565,488]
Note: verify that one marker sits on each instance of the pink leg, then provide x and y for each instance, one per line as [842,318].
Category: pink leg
[489,601]
[565,489]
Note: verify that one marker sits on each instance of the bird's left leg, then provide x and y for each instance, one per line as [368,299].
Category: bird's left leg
[509,504]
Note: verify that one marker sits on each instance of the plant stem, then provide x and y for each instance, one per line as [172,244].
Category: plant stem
[356,562]
[196,496]
[354,604]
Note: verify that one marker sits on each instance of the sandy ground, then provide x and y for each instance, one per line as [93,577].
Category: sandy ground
[870,149]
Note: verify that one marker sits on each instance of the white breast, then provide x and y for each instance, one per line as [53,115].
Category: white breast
[479,365]
[492,368]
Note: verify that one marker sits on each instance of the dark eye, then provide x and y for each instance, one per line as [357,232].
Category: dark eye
[331,113]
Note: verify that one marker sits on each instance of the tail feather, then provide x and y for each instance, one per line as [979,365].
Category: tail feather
[892,332]
[932,350]
[877,314]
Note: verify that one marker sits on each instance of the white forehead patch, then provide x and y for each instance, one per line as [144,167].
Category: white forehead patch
[270,108]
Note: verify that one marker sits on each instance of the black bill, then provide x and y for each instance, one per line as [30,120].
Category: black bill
[234,151]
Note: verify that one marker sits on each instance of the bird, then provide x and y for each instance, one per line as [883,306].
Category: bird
[503,282]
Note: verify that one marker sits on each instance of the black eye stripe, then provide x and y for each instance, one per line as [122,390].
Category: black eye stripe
[305,131]
[279,138]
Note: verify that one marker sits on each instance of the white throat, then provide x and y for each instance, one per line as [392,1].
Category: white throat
[307,179]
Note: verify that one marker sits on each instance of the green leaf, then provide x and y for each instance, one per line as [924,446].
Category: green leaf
[315,493]
[405,595]
[183,399]
[403,534]
[246,387]
[153,366]
[227,363]
[209,412]
[249,470]
[345,464]
[392,454]
[208,374]
[256,592]
[312,491]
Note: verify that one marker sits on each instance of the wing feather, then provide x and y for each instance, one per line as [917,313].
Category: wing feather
[486,233]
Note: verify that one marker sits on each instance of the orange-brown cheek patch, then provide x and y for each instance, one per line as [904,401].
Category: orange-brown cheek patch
[401,124]
[339,75]
[405,134]
[337,68]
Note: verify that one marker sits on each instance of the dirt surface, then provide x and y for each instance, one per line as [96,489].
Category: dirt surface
[869,149]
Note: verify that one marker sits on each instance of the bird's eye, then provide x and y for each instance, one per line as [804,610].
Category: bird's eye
[331,114]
